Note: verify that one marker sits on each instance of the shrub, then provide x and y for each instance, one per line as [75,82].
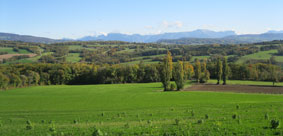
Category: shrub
[127,125]
[172,87]
[234,116]
[102,114]
[237,107]
[266,117]
[200,121]
[29,125]
[193,113]
[206,116]
[275,124]
[97,132]
[50,122]
[52,128]
[149,122]
[177,121]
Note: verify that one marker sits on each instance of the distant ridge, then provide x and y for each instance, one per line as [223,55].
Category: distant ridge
[200,36]
[200,33]
[26,38]
[235,39]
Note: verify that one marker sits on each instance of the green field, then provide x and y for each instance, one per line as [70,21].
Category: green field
[73,57]
[136,109]
[11,51]
[262,55]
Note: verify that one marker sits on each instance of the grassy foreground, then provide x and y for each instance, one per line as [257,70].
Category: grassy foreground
[135,109]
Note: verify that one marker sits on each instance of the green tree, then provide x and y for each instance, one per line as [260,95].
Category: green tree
[280,50]
[225,71]
[4,81]
[179,75]
[274,74]
[205,75]
[166,71]
[44,78]
[197,70]
[15,80]
[24,80]
[219,70]
[33,78]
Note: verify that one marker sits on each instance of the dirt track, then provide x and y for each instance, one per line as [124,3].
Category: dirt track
[236,88]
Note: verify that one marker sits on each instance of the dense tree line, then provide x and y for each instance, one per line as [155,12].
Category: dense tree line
[280,50]
[20,75]
[3,52]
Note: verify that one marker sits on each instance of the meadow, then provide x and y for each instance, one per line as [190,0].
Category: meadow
[261,55]
[136,109]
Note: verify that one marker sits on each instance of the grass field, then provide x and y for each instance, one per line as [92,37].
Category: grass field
[262,55]
[135,109]
[73,57]
[11,51]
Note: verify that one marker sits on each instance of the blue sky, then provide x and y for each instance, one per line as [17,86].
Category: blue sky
[78,18]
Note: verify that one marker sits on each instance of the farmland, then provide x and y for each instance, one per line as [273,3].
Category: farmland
[133,53]
[136,109]
[113,88]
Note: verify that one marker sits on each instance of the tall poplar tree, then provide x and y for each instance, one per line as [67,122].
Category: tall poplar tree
[197,70]
[166,71]
[219,70]
[179,75]
[225,71]
[206,75]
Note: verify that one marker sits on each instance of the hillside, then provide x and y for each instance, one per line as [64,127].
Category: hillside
[26,38]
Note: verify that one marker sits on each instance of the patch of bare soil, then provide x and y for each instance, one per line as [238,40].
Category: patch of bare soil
[236,88]
[7,56]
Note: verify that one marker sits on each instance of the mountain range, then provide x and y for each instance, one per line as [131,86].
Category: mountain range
[200,36]
[201,33]
[234,39]
[26,38]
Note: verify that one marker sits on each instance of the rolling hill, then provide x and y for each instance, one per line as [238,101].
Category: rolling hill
[26,38]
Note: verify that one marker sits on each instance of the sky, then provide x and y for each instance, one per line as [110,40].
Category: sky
[77,18]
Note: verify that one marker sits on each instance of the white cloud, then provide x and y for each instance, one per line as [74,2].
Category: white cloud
[177,24]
